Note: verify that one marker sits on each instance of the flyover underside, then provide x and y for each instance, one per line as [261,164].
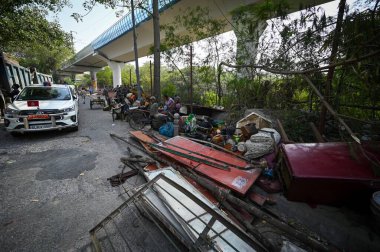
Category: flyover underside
[120,49]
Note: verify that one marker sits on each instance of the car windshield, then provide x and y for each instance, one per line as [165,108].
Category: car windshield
[44,93]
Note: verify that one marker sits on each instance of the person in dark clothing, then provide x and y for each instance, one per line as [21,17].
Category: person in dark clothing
[15,91]
[2,103]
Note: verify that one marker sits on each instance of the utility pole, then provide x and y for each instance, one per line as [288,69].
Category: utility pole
[130,77]
[72,40]
[330,73]
[191,79]
[151,77]
[156,41]
[135,50]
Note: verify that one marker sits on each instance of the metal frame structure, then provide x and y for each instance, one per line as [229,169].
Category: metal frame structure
[201,244]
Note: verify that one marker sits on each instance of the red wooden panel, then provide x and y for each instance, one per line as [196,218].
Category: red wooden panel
[235,179]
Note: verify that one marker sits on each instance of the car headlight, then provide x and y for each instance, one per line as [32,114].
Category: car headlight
[11,111]
[72,108]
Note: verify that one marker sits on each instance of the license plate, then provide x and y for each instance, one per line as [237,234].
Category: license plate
[43,126]
[43,116]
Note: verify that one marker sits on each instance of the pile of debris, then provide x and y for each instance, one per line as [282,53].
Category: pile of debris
[209,185]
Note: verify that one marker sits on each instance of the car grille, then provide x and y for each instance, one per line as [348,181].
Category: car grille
[21,126]
[42,111]
[58,117]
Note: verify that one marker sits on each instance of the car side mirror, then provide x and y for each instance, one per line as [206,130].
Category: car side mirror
[75,97]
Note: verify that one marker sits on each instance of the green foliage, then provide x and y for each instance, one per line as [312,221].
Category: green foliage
[265,9]
[126,73]
[45,60]
[208,98]
[34,41]
[359,84]
[68,80]
[13,6]
[176,51]
[169,89]
[27,27]
[85,80]
[104,77]
[145,77]
[306,43]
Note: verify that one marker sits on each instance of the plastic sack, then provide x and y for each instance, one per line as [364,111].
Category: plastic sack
[167,129]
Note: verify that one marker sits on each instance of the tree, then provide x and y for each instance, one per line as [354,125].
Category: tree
[25,33]
[199,26]
[137,69]
[104,77]
[127,78]
[156,53]
[85,80]
[23,24]
[333,56]
[299,52]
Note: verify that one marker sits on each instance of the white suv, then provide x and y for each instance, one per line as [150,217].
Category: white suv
[39,108]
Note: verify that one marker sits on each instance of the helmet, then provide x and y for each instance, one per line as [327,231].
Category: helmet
[152,98]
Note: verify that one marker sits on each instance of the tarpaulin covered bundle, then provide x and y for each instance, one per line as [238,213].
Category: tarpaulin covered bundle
[261,143]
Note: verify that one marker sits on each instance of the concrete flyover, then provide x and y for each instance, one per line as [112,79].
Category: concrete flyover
[114,47]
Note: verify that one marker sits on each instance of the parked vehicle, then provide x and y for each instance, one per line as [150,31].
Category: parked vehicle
[12,73]
[41,108]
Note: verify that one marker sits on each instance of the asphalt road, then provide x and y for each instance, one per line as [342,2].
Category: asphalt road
[53,185]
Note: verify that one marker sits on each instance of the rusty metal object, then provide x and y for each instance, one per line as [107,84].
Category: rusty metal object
[119,179]
[136,160]
[139,193]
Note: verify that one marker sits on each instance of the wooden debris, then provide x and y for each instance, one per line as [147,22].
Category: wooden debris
[284,136]
[316,133]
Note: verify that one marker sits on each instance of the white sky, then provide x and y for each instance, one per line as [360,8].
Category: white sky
[94,24]
[100,19]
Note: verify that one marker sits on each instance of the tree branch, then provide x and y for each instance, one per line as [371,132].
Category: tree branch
[305,71]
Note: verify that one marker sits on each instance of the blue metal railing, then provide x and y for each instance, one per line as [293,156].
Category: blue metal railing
[120,28]
[124,25]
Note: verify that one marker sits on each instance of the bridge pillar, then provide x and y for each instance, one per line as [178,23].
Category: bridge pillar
[94,81]
[116,72]
[248,29]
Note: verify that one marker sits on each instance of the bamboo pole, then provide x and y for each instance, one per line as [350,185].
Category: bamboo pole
[191,79]
[316,133]
[283,134]
[330,109]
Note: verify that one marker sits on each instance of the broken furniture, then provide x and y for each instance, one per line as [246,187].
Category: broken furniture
[97,101]
[210,162]
[198,224]
[327,173]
